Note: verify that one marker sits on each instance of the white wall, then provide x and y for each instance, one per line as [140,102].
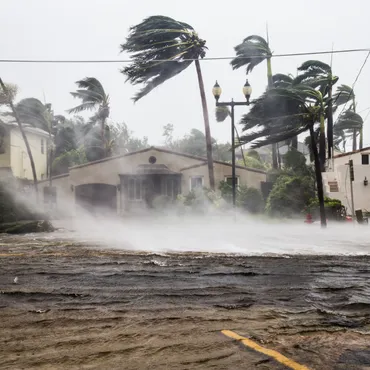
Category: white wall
[341,175]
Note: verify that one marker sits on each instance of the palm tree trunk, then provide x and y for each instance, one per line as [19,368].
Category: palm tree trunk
[361,129]
[206,126]
[102,128]
[322,143]
[354,140]
[30,156]
[275,162]
[295,142]
[330,123]
[320,189]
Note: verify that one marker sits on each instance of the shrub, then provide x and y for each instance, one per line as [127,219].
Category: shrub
[289,196]
[250,199]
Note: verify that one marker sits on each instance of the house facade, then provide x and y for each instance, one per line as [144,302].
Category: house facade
[13,152]
[130,181]
[337,179]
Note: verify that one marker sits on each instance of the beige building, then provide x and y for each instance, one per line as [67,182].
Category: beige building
[13,153]
[133,180]
[337,179]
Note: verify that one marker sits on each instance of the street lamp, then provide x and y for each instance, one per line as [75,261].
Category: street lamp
[247,91]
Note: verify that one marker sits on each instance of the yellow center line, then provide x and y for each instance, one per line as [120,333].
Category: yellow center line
[269,352]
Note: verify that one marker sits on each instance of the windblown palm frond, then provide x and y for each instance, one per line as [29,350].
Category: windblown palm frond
[349,120]
[9,95]
[35,113]
[222,113]
[282,80]
[343,95]
[161,48]
[251,52]
[92,95]
[280,114]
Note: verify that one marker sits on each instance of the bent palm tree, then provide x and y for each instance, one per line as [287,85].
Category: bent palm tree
[8,99]
[282,113]
[343,95]
[319,75]
[352,122]
[252,51]
[161,48]
[93,97]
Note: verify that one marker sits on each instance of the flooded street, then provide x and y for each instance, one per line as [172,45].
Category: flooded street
[76,306]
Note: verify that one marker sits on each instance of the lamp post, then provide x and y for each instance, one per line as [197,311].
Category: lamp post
[247,91]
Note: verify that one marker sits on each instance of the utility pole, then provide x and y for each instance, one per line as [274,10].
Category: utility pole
[351,179]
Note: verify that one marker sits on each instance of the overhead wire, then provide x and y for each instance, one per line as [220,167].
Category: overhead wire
[339,51]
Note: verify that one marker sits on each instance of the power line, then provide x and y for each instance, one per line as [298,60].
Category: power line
[340,51]
[353,85]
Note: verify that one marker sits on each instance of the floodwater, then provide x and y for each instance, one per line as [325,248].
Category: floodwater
[157,297]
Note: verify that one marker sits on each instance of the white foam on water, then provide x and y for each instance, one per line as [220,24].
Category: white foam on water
[222,233]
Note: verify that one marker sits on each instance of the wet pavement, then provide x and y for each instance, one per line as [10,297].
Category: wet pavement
[78,306]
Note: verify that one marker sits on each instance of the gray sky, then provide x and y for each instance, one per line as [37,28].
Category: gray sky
[94,29]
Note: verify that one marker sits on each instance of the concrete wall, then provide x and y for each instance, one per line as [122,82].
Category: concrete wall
[248,178]
[20,162]
[341,176]
[106,172]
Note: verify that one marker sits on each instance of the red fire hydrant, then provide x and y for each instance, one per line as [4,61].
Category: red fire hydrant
[308,219]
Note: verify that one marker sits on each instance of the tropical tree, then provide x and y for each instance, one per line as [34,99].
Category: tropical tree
[161,48]
[7,96]
[251,52]
[344,95]
[319,75]
[93,97]
[349,121]
[281,113]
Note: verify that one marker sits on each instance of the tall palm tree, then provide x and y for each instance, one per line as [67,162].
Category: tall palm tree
[344,95]
[93,97]
[319,75]
[161,48]
[252,51]
[282,113]
[7,98]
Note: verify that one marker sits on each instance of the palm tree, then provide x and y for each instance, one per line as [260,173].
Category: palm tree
[251,52]
[353,122]
[93,97]
[343,95]
[282,113]
[319,75]
[7,98]
[161,48]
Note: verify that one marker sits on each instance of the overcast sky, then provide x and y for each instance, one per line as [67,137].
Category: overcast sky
[94,29]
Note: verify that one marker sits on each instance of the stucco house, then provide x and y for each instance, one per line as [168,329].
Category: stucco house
[337,179]
[132,180]
[14,158]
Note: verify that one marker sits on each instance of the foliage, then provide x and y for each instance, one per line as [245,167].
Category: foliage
[68,159]
[160,49]
[250,199]
[222,113]
[9,93]
[289,196]
[12,211]
[329,202]
[296,162]
[251,52]
[252,162]
[247,198]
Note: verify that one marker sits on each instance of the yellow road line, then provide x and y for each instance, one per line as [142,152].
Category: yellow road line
[269,352]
